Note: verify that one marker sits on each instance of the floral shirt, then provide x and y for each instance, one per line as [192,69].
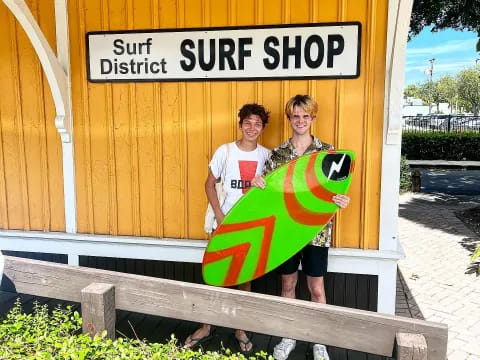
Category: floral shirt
[283,154]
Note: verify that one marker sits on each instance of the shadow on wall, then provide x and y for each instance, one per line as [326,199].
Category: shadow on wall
[406,304]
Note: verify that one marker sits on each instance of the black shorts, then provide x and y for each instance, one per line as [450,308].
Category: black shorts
[314,261]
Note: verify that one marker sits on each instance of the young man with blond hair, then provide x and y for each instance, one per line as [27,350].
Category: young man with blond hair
[301,111]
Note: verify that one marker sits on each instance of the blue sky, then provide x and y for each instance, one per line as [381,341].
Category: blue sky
[452,50]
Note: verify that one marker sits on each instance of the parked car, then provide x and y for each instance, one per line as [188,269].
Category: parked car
[467,123]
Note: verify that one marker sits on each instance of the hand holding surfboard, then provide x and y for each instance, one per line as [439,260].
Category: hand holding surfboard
[268,226]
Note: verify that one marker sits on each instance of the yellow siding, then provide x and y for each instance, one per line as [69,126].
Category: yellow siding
[142,149]
[31,185]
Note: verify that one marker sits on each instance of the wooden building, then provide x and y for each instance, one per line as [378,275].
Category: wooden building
[115,169]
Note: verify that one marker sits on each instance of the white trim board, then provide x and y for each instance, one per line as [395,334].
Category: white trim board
[342,260]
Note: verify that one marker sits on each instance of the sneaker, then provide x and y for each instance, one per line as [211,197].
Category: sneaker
[320,352]
[283,349]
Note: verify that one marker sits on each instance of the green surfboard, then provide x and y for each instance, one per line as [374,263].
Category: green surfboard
[268,226]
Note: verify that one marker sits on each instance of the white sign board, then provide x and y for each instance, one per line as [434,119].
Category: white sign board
[312,51]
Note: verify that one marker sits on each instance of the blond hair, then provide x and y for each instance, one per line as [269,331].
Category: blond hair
[303,101]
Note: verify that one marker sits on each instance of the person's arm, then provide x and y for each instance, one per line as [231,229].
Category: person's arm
[258,180]
[212,196]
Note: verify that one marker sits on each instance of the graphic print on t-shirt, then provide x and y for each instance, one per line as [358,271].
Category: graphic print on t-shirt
[247,173]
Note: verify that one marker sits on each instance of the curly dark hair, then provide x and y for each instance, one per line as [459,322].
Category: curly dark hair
[253,109]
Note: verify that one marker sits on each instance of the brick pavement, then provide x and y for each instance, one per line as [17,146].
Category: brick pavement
[436,281]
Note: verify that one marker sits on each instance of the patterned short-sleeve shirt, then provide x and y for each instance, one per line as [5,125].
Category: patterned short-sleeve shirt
[283,154]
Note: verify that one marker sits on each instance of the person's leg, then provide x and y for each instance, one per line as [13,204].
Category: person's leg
[200,335]
[314,265]
[243,341]
[289,284]
[289,272]
[317,289]
[245,286]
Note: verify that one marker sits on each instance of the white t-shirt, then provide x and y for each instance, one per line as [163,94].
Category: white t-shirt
[241,168]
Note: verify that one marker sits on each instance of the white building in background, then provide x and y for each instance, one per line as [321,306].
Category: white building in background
[414,107]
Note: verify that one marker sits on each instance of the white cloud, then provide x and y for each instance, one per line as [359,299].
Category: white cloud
[448,47]
[451,66]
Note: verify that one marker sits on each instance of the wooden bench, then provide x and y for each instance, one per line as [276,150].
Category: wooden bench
[101,292]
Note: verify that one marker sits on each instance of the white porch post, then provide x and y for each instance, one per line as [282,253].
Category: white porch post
[399,13]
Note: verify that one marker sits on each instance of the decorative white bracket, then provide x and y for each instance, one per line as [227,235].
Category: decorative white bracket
[56,76]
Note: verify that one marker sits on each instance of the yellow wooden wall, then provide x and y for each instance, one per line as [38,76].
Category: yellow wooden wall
[142,149]
[31,185]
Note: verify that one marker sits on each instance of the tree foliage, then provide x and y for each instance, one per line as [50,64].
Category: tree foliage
[429,93]
[448,90]
[469,89]
[412,90]
[444,14]
[461,89]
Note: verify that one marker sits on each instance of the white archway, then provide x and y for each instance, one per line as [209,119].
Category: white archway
[58,79]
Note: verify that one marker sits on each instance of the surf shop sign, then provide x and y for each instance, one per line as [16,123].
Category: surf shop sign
[320,50]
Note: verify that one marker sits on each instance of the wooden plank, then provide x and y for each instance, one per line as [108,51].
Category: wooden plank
[356,355]
[350,290]
[362,330]
[129,327]
[339,289]
[411,347]
[7,299]
[373,295]
[362,292]
[120,265]
[140,267]
[260,341]
[169,270]
[98,309]
[337,353]
[146,329]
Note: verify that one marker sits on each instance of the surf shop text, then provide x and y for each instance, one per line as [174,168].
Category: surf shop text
[227,54]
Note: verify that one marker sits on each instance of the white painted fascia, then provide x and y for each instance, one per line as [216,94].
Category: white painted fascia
[344,260]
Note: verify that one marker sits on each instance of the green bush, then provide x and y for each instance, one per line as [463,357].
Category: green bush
[475,257]
[441,146]
[405,175]
[41,336]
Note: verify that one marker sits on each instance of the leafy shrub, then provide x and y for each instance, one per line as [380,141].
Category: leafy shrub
[41,336]
[440,145]
[405,175]
[475,258]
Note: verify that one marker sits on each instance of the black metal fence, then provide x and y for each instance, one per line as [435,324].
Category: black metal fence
[441,123]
